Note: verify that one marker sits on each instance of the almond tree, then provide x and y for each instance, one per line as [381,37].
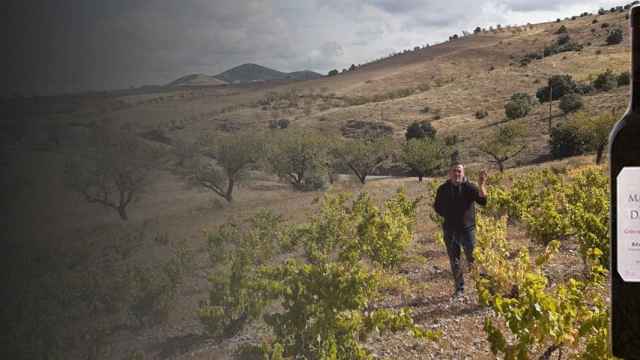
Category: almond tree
[297,156]
[223,161]
[424,156]
[364,156]
[506,143]
[112,171]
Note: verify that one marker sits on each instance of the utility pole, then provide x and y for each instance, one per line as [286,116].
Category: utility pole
[550,97]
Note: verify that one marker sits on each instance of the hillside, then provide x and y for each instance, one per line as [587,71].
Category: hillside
[251,72]
[197,80]
[98,279]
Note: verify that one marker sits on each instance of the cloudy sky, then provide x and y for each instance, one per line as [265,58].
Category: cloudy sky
[74,45]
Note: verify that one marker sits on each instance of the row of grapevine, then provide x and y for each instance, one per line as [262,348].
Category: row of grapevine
[533,315]
[324,297]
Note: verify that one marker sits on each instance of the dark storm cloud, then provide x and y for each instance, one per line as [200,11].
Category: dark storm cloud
[72,45]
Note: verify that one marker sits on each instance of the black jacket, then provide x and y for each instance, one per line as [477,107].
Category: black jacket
[455,204]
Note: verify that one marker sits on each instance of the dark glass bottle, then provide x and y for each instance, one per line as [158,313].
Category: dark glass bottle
[624,175]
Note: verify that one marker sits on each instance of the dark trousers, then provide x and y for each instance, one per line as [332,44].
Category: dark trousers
[454,239]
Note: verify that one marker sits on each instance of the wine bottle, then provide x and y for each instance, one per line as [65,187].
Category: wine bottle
[624,177]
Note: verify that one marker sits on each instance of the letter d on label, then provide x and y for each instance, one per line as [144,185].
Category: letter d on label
[635,214]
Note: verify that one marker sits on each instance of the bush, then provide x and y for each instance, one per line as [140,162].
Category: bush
[615,36]
[518,106]
[481,114]
[605,81]
[584,89]
[279,124]
[534,56]
[604,25]
[624,79]
[563,39]
[566,141]
[571,102]
[321,303]
[562,44]
[561,30]
[420,130]
[333,72]
[560,85]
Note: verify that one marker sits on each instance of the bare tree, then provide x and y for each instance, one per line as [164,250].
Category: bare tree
[112,171]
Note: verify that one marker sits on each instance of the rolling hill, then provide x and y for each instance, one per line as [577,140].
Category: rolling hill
[85,246]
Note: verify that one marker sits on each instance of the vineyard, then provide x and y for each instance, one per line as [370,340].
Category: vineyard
[320,287]
[294,219]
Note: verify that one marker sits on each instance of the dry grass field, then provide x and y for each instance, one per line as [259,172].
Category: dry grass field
[454,79]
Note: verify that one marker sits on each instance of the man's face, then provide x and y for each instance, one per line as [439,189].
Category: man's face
[456,174]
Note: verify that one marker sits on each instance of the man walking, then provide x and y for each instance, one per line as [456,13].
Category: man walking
[455,203]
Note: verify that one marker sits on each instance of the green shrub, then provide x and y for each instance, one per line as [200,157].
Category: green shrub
[584,89]
[561,30]
[606,81]
[571,102]
[518,106]
[566,140]
[234,299]
[420,130]
[562,44]
[563,39]
[615,36]
[624,78]
[481,114]
[560,85]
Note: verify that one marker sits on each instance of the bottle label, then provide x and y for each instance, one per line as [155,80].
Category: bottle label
[628,227]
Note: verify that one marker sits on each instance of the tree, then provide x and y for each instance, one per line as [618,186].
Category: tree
[299,157]
[364,156]
[615,36]
[112,171]
[571,102]
[420,130]
[506,143]
[333,72]
[424,156]
[224,161]
[559,84]
[477,30]
[518,106]
[595,130]
[565,140]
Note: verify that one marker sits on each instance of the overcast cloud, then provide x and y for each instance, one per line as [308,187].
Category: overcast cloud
[73,45]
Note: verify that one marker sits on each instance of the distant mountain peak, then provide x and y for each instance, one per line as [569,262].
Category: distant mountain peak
[197,79]
[250,72]
[245,73]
